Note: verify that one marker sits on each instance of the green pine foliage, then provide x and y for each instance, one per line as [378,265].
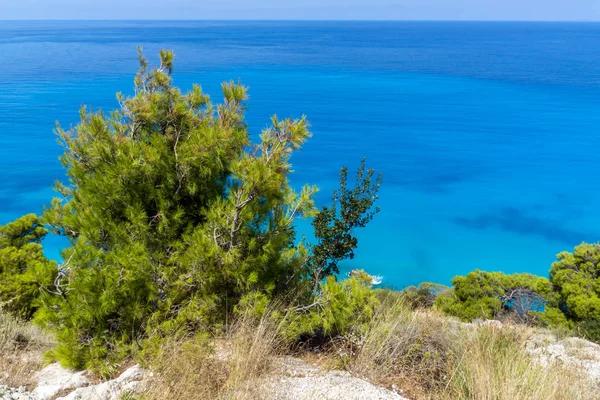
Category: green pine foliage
[341,308]
[571,296]
[24,270]
[482,294]
[176,220]
[424,295]
[589,329]
[173,217]
[576,277]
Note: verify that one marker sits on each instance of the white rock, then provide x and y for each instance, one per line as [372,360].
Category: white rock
[298,380]
[8,393]
[573,352]
[329,387]
[54,379]
[492,322]
[128,381]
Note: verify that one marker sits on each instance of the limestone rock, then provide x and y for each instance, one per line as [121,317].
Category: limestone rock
[127,382]
[573,352]
[297,380]
[55,379]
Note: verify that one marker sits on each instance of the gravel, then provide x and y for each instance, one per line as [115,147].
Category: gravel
[297,380]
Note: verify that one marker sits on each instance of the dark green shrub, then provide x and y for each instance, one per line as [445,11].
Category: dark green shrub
[489,295]
[576,278]
[424,295]
[24,270]
[334,225]
[589,330]
[570,299]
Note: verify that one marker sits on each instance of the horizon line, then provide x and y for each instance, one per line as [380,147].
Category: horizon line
[290,20]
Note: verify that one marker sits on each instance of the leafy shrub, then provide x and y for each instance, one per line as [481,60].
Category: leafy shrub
[334,225]
[24,270]
[569,300]
[554,317]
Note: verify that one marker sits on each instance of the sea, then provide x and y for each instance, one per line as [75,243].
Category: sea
[487,133]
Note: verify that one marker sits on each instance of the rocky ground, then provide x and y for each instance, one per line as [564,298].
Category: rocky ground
[295,379]
[290,379]
[574,352]
[55,382]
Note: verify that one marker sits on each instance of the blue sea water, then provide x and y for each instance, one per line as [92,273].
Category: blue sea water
[488,134]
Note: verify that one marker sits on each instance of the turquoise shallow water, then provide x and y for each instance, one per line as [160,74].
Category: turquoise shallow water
[487,133]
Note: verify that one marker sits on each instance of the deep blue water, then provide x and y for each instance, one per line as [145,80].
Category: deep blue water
[488,134]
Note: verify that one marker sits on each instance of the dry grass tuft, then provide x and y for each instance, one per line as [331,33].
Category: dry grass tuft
[412,349]
[254,345]
[494,365]
[186,369]
[22,347]
[202,368]
[433,357]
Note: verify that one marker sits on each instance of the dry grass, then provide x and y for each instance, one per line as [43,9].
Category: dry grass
[253,348]
[494,365]
[412,349]
[186,369]
[226,368]
[22,347]
[422,352]
[433,357]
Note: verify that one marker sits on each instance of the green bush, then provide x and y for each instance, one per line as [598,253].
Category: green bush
[589,330]
[571,296]
[334,225]
[424,295]
[486,295]
[340,308]
[24,270]
[554,317]
[576,278]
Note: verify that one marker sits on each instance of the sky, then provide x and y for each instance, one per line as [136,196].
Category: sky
[528,10]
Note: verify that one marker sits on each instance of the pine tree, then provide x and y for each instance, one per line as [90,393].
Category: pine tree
[173,216]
